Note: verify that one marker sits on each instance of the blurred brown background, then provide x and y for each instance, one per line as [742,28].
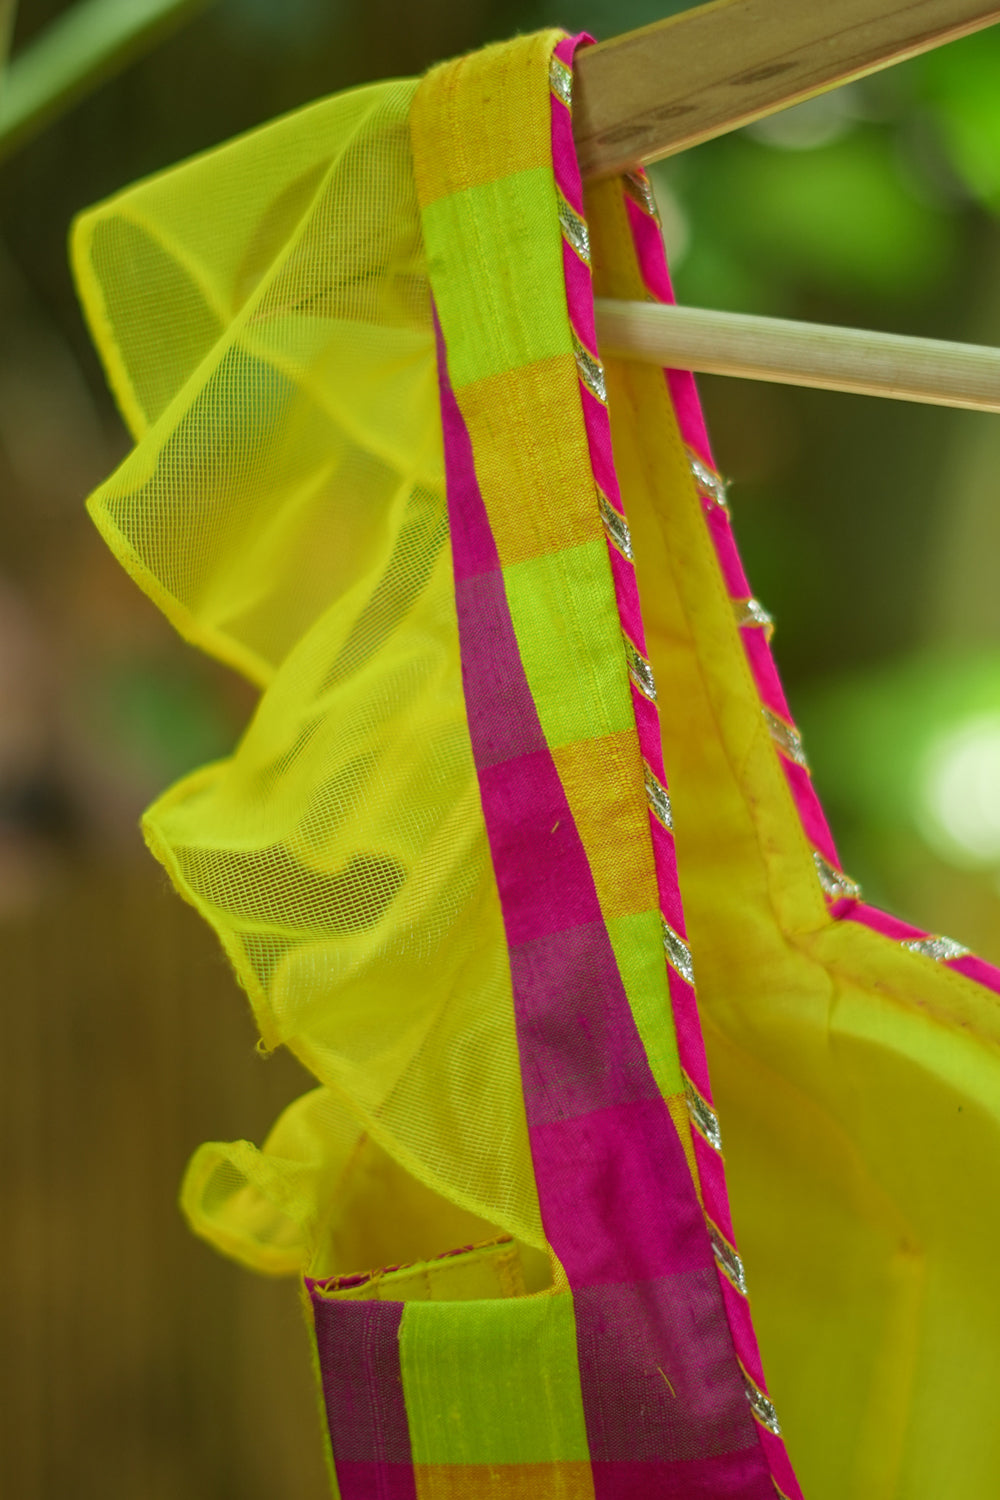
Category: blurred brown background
[135,1362]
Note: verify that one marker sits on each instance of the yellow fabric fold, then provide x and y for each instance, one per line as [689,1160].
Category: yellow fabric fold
[264,314]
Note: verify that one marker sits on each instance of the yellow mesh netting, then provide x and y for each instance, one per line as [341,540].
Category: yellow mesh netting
[264,315]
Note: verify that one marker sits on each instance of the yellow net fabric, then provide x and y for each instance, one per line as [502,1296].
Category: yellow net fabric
[264,315]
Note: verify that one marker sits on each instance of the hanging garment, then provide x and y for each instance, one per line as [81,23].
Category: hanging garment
[516,699]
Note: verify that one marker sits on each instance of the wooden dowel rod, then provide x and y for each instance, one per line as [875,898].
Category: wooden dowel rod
[833,359]
[652,92]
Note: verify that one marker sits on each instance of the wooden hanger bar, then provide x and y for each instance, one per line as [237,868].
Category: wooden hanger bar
[653,92]
[650,93]
[833,359]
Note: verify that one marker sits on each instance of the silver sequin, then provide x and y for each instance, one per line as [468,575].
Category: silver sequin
[615,525]
[752,612]
[703,1116]
[727,1258]
[658,798]
[835,883]
[638,187]
[786,738]
[710,483]
[940,948]
[561,80]
[575,229]
[677,951]
[591,371]
[640,671]
[761,1405]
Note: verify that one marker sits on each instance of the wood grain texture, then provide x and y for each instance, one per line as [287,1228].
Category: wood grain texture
[834,359]
[659,90]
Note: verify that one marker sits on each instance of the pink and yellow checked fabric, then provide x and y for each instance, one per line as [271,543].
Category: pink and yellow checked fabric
[631,1377]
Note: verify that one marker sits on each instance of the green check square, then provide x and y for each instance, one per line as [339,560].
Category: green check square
[493,1382]
[495,257]
[562,605]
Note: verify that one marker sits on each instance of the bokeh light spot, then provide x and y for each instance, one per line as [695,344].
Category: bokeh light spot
[960,793]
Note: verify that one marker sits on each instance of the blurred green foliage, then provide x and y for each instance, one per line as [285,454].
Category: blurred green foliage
[7,9]
[794,230]
[162,717]
[959,86]
[82,47]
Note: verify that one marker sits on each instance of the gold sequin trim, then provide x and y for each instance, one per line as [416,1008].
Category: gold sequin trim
[591,371]
[761,1405]
[703,1116]
[786,738]
[727,1259]
[561,80]
[640,190]
[574,229]
[835,883]
[939,948]
[677,951]
[658,798]
[708,481]
[615,525]
[640,671]
[752,612]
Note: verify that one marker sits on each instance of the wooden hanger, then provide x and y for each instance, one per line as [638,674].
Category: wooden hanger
[653,92]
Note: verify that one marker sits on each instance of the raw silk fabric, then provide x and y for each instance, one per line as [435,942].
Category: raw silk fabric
[516,697]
